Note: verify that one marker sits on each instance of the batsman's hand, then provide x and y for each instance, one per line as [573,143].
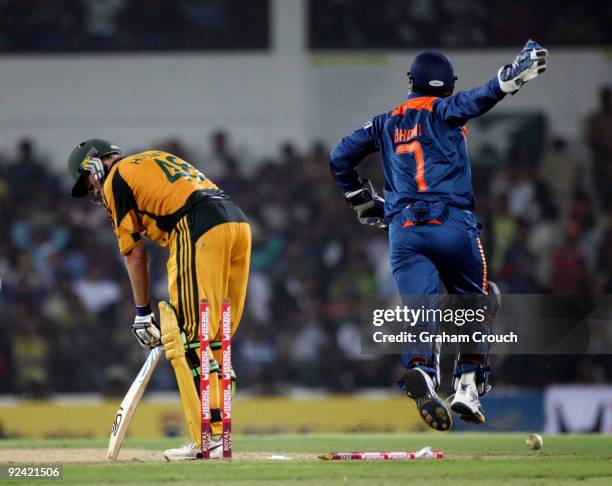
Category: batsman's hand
[147,331]
[370,207]
[527,65]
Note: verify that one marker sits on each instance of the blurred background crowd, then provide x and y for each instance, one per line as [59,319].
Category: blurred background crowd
[112,25]
[100,25]
[66,303]
[354,24]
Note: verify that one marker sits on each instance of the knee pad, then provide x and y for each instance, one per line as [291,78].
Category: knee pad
[479,363]
[483,370]
[216,346]
[193,360]
[175,352]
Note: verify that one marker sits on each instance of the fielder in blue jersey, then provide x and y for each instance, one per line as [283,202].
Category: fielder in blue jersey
[427,209]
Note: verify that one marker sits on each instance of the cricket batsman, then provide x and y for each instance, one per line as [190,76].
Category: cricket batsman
[427,210]
[158,195]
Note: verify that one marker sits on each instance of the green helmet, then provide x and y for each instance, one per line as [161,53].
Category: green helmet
[80,161]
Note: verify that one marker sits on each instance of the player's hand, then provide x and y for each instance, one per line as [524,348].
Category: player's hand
[527,65]
[370,207]
[147,331]
[374,216]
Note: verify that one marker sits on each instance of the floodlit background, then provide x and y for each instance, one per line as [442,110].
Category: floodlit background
[255,93]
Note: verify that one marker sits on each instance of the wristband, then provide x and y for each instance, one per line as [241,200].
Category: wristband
[144,310]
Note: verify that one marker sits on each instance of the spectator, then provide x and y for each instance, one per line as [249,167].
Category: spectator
[312,267]
[220,162]
[599,139]
[504,231]
[96,291]
[542,242]
[603,272]
[516,271]
[26,169]
[561,171]
[570,274]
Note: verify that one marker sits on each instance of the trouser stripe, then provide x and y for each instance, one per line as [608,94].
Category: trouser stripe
[189,310]
[185,299]
[195,301]
[179,277]
[190,316]
[484,267]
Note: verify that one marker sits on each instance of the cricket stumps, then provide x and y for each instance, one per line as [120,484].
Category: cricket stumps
[226,379]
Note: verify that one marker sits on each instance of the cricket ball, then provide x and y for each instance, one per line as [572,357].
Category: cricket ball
[535,442]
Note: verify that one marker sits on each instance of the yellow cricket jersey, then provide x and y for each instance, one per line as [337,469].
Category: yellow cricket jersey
[148,193]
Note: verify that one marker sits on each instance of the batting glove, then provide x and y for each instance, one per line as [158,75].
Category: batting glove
[145,328]
[527,65]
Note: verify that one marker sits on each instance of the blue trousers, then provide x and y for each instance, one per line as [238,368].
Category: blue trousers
[443,245]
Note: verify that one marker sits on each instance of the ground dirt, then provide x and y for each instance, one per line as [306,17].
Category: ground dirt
[85,456]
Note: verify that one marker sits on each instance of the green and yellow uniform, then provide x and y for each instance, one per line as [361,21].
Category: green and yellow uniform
[159,195]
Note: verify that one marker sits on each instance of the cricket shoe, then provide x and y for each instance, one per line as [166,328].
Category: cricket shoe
[190,451]
[465,401]
[420,387]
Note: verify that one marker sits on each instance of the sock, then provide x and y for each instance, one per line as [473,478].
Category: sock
[468,378]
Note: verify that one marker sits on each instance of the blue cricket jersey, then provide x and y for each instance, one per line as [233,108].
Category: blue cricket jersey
[422,146]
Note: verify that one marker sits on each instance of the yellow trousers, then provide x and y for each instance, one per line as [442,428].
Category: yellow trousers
[213,265]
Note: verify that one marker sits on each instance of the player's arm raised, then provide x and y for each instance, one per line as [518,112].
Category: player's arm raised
[460,107]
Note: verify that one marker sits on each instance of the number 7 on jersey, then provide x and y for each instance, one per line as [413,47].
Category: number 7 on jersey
[414,147]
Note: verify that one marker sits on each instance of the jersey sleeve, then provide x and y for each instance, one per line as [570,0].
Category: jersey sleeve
[123,214]
[460,107]
[351,150]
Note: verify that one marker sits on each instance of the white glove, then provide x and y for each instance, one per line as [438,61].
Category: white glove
[526,66]
[95,166]
[146,331]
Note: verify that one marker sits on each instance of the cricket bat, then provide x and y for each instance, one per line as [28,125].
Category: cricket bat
[130,403]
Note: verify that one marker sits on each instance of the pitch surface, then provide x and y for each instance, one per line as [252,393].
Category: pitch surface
[470,459]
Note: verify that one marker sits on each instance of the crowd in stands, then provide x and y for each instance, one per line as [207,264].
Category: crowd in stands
[128,25]
[116,25]
[346,24]
[65,301]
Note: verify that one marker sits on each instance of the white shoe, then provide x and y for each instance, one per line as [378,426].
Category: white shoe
[420,387]
[190,451]
[465,402]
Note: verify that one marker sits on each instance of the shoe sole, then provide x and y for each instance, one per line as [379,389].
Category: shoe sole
[432,410]
[179,459]
[191,458]
[467,415]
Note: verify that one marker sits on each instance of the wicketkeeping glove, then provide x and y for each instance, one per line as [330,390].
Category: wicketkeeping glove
[147,331]
[526,66]
[370,207]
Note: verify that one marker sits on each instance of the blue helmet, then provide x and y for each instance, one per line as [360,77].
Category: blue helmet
[432,73]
